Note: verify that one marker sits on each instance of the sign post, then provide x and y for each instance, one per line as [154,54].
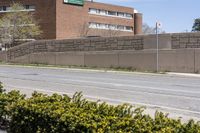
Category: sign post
[158,25]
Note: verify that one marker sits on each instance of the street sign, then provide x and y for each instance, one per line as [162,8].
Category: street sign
[74,2]
[158,25]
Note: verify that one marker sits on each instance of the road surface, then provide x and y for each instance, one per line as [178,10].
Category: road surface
[178,95]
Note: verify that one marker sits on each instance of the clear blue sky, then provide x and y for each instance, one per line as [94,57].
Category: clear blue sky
[175,15]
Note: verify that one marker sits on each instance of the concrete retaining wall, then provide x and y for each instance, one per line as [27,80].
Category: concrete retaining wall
[177,52]
[181,60]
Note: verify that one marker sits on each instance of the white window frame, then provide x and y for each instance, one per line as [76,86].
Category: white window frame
[8,9]
[102,26]
[95,11]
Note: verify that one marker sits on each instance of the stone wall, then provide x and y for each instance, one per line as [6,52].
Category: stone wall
[140,42]
[2,56]
[87,44]
[185,40]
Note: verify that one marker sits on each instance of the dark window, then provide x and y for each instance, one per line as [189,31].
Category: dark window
[4,8]
[129,28]
[112,13]
[27,6]
[120,14]
[129,15]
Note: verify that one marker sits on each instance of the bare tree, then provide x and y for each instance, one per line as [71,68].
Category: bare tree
[18,25]
[146,29]
[84,30]
[111,31]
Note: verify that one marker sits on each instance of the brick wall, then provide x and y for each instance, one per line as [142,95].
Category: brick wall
[72,21]
[45,14]
[185,40]
[92,44]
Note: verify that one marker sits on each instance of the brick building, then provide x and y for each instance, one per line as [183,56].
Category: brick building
[60,19]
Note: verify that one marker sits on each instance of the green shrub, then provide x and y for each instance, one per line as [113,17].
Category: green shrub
[62,114]
[53,114]
[6,101]
[1,88]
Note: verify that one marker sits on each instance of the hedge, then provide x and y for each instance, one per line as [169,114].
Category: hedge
[42,113]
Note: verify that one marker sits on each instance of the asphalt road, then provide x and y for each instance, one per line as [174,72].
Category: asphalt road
[178,95]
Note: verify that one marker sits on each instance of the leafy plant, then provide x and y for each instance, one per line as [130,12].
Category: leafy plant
[1,88]
[6,101]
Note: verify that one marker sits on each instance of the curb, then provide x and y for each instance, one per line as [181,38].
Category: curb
[184,74]
[84,69]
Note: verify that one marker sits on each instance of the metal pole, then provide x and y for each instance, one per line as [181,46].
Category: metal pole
[157,49]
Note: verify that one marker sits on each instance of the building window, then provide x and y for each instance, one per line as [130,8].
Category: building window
[32,7]
[129,28]
[102,26]
[103,12]
[27,7]
[92,25]
[93,10]
[120,27]
[128,15]
[112,27]
[3,8]
[110,13]
[9,9]
[120,14]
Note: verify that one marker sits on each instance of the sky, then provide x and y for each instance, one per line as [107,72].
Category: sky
[175,15]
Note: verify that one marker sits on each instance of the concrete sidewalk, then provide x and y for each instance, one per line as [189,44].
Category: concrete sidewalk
[85,69]
[184,74]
